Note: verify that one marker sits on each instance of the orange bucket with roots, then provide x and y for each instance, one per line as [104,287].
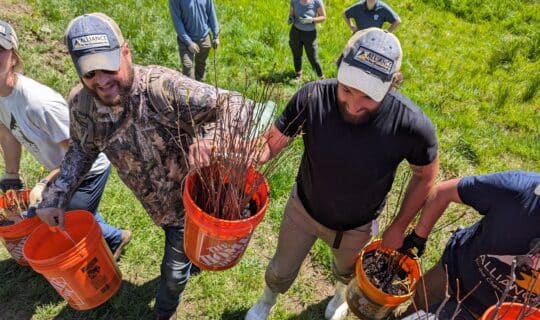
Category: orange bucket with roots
[77,262]
[14,236]
[367,301]
[216,244]
[511,311]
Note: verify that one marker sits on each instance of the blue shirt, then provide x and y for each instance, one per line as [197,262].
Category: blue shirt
[193,19]
[484,251]
[365,18]
[305,10]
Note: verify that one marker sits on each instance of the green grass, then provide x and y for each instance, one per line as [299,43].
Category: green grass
[472,65]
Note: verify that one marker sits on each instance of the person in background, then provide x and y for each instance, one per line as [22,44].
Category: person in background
[36,117]
[356,131]
[144,118]
[370,13]
[193,21]
[481,256]
[303,15]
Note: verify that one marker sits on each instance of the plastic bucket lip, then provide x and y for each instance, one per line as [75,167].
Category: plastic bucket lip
[408,264]
[82,248]
[510,310]
[16,230]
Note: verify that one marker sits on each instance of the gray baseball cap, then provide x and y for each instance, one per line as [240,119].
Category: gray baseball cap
[370,59]
[94,41]
[8,38]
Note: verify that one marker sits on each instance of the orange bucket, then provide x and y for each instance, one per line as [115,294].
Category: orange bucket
[511,311]
[76,262]
[369,302]
[14,236]
[216,244]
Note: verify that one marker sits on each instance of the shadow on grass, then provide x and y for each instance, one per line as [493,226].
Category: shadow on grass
[285,77]
[234,314]
[23,292]
[312,312]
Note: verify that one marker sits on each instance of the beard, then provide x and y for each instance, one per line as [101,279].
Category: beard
[363,117]
[124,87]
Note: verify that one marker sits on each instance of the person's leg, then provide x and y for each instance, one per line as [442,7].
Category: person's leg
[186,57]
[345,252]
[294,242]
[87,197]
[175,272]
[205,45]
[296,48]
[312,51]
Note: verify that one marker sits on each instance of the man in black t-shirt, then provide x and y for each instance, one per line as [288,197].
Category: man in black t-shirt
[356,132]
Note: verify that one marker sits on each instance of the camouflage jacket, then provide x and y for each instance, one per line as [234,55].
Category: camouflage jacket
[145,139]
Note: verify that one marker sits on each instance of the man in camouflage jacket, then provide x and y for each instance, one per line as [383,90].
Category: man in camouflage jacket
[143,119]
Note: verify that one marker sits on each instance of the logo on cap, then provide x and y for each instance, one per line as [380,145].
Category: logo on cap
[90,41]
[374,59]
[3,30]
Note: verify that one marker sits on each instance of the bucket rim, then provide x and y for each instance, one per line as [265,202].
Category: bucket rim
[81,248]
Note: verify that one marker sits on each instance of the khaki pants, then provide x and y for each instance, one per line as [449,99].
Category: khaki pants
[194,65]
[297,235]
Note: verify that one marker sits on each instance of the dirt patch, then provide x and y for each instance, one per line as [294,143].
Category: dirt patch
[12,9]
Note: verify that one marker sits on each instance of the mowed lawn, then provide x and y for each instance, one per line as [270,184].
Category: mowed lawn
[472,65]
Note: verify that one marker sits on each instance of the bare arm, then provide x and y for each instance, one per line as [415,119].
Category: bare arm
[394,25]
[349,22]
[275,142]
[437,202]
[418,189]
[11,149]
[321,15]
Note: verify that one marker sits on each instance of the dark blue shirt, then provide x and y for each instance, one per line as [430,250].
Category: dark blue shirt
[484,251]
[193,19]
[365,18]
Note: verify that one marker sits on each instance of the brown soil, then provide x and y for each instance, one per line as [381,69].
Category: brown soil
[384,272]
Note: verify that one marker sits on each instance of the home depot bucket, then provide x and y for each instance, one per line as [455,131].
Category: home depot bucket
[217,244]
[76,262]
[511,311]
[14,236]
[369,302]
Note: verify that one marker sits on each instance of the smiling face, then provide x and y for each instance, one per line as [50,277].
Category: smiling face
[110,86]
[355,106]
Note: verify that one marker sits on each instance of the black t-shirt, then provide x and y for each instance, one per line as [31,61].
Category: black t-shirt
[347,170]
[484,251]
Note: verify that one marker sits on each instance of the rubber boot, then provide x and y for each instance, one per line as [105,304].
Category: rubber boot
[264,305]
[337,307]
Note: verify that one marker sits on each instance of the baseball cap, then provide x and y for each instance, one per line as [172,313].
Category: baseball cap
[8,38]
[94,42]
[370,59]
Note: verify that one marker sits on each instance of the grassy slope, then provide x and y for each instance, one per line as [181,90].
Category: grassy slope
[474,72]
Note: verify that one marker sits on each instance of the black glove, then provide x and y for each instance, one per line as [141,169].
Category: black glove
[7,184]
[413,245]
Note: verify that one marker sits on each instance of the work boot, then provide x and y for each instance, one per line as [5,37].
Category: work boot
[126,238]
[264,305]
[337,307]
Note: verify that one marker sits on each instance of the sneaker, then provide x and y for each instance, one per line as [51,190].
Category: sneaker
[337,307]
[298,76]
[126,238]
[263,307]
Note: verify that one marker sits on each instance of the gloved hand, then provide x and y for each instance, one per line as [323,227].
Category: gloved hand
[35,195]
[306,20]
[215,43]
[10,181]
[413,245]
[194,48]
[290,20]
